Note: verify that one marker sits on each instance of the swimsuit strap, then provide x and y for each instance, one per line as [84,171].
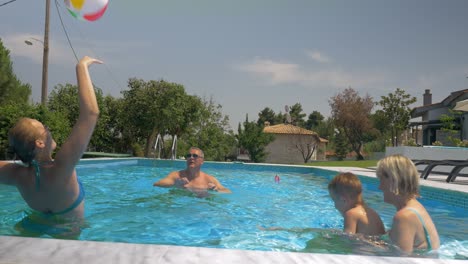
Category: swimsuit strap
[37,169]
[77,202]
[426,233]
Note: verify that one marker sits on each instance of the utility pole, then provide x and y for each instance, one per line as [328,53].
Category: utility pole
[45,56]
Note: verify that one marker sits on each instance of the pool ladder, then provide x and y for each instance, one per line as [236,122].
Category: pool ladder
[174,148]
[159,145]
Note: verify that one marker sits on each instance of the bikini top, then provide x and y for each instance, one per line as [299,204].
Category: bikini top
[78,200]
[426,233]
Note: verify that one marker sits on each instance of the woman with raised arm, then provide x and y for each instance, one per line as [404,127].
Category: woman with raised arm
[50,186]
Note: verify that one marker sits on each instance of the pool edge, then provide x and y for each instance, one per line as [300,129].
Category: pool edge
[38,250]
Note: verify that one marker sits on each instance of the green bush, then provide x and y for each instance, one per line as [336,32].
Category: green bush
[411,142]
[137,150]
[463,144]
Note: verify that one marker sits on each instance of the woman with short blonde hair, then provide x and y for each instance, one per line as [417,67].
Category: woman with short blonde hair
[412,227]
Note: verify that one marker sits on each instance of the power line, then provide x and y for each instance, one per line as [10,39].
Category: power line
[84,38]
[6,3]
[65,30]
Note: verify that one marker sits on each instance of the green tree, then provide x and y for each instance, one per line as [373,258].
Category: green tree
[314,120]
[326,128]
[341,146]
[297,115]
[212,133]
[10,113]
[351,114]
[396,112]
[157,107]
[252,138]
[63,99]
[114,125]
[267,115]
[11,88]
[280,118]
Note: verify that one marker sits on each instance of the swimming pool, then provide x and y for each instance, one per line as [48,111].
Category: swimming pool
[122,206]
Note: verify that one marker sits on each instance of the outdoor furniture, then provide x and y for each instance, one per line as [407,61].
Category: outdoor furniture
[431,164]
[456,172]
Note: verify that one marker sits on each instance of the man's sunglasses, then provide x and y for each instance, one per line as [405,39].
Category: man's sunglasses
[195,156]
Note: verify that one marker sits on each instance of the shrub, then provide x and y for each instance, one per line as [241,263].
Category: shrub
[137,150]
[463,144]
[411,142]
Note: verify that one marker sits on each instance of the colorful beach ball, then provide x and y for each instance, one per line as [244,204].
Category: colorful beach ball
[90,10]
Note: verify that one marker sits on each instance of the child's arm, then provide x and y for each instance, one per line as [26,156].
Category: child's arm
[350,222]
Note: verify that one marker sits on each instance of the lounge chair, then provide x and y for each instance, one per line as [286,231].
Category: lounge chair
[422,161]
[455,163]
[456,171]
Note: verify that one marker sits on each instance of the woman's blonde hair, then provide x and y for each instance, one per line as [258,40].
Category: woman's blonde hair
[402,173]
[347,184]
[22,140]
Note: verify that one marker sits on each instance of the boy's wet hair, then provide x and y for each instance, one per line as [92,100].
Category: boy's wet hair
[346,183]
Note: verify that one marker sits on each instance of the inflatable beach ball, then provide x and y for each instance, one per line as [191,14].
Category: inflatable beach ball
[90,10]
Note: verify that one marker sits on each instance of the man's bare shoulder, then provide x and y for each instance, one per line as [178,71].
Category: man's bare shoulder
[176,174]
[209,176]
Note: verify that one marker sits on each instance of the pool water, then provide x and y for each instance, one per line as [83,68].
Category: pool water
[123,206]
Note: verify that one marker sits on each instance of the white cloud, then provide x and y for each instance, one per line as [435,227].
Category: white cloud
[318,57]
[276,73]
[58,53]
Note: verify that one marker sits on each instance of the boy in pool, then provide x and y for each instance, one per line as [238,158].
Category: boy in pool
[345,189]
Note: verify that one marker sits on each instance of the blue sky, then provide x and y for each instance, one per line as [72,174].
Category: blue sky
[252,54]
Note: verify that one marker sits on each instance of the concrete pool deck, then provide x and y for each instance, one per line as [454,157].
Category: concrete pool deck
[36,250]
[435,180]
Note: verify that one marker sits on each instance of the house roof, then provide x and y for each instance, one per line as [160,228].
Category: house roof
[287,129]
[448,102]
[324,140]
[291,130]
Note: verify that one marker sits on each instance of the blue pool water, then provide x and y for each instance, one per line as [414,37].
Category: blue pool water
[123,206]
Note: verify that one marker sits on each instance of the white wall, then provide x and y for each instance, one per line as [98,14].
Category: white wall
[431,153]
[282,150]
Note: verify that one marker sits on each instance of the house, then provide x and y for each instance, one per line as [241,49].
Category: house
[430,113]
[292,144]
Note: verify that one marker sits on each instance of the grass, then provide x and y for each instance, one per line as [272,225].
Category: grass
[345,163]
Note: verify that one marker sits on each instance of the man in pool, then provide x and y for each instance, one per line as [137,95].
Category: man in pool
[192,178]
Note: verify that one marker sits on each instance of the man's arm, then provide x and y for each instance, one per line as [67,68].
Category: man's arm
[170,180]
[215,185]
